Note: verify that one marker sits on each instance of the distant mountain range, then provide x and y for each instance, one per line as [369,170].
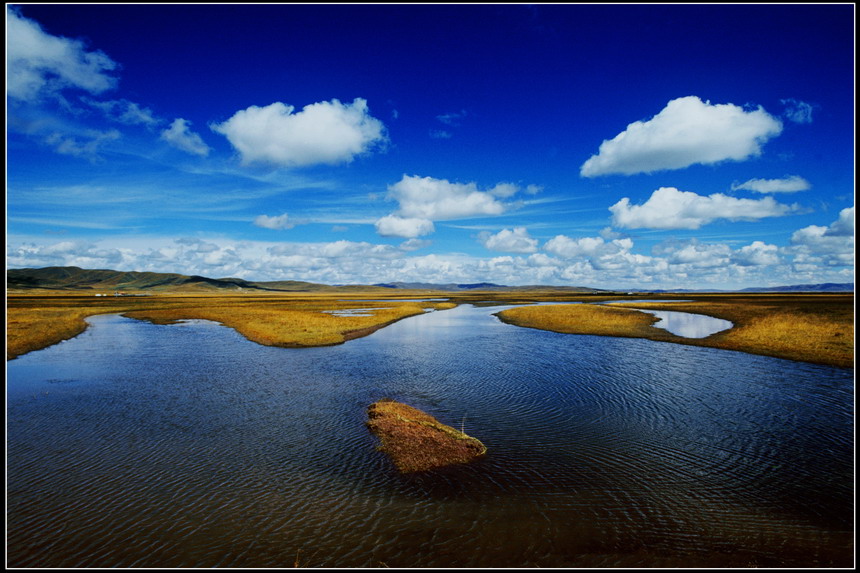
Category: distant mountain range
[821,287]
[459,287]
[78,279]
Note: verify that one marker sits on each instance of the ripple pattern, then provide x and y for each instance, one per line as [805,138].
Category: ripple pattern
[138,445]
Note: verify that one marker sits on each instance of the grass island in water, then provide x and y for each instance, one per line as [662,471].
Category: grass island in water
[416,441]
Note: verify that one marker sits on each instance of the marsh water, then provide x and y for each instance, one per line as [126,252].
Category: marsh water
[139,445]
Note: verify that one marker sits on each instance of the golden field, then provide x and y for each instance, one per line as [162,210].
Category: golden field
[815,328]
[37,321]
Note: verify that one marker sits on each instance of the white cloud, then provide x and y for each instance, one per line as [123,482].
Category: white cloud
[180,136]
[832,246]
[439,199]
[568,248]
[686,132]
[123,111]
[321,133]
[844,225]
[406,227]
[277,223]
[789,184]
[38,63]
[669,208]
[693,254]
[415,244]
[86,145]
[676,264]
[509,241]
[757,253]
[452,119]
[797,111]
[505,190]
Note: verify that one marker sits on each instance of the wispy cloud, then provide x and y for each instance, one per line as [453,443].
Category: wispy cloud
[797,111]
[452,119]
[86,145]
[277,223]
[179,135]
[39,64]
[790,184]
[124,111]
[686,132]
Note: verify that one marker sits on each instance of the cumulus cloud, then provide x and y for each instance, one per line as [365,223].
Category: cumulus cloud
[669,208]
[39,64]
[327,132]
[439,199]
[789,184]
[277,223]
[515,240]
[423,200]
[674,264]
[406,227]
[179,135]
[586,247]
[758,253]
[687,131]
[832,246]
[797,111]
[844,225]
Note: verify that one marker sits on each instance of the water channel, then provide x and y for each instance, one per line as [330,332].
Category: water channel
[142,445]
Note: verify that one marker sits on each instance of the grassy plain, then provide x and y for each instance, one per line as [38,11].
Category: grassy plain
[290,320]
[816,328]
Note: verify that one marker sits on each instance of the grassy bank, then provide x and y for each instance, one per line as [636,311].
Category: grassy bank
[34,322]
[416,441]
[810,328]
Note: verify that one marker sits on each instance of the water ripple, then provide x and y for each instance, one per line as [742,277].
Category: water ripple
[140,445]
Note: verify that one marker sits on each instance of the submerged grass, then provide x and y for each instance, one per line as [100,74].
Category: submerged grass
[810,328]
[416,441]
[34,322]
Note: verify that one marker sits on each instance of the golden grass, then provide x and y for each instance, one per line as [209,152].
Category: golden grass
[810,328]
[416,441]
[34,322]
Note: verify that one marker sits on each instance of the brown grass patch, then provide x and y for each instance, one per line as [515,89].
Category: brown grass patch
[807,327]
[416,441]
[34,322]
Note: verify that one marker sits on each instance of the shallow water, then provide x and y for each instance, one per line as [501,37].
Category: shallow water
[140,445]
[687,324]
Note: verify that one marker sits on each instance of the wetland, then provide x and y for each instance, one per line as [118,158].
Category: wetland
[183,443]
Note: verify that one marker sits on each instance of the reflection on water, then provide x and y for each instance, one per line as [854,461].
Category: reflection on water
[142,445]
[688,325]
[352,311]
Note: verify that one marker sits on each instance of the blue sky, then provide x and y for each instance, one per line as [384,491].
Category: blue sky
[619,146]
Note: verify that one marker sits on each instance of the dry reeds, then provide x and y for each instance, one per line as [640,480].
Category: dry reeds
[34,322]
[416,441]
[811,328]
